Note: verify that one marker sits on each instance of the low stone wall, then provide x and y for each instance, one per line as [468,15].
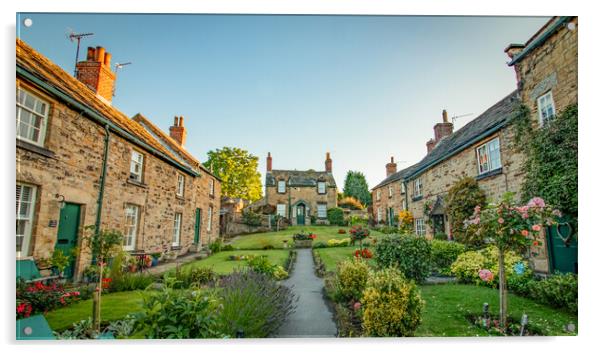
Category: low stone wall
[233,226]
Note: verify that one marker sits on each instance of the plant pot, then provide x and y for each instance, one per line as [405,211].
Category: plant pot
[303,243]
[155,261]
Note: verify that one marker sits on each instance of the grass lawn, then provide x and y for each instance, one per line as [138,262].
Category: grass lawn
[275,239]
[446,306]
[222,265]
[332,256]
[115,306]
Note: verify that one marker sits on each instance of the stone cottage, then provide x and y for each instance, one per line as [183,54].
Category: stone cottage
[389,196]
[81,162]
[301,195]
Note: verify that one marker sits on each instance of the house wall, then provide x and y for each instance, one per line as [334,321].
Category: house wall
[305,193]
[74,172]
[386,202]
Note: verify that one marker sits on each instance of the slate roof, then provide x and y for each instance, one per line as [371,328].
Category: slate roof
[300,178]
[395,177]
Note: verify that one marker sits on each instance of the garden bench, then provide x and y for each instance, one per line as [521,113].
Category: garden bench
[28,271]
[34,328]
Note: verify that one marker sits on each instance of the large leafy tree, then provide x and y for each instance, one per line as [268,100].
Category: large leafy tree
[357,187]
[237,169]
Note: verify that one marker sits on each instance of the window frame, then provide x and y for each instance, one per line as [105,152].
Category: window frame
[278,183]
[140,177]
[29,218]
[209,218]
[323,184]
[403,188]
[403,204]
[379,216]
[390,190]
[177,230]
[418,187]
[128,227]
[45,117]
[211,187]
[283,209]
[419,226]
[180,185]
[325,208]
[378,195]
[488,152]
[540,111]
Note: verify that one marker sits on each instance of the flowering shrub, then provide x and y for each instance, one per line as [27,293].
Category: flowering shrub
[464,195]
[468,265]
[409,253]
[391,305]
[444,253]
[363,253]
[338,242]
[358,233]
[406,221]
[351,277]
[304,236]
[34,298]
[261,264]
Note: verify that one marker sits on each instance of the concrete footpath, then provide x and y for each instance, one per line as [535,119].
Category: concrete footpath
[312,318]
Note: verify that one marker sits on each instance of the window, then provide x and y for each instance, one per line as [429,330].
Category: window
[545,108]
[488,156]
[390,190]
[211,187]
[420,228]
[379,215]
[180,188]
[136,166]
[378,195]
[403,187]
[403,204]
[281,186]
[26,196]
[322,210]
[281,209]
[417,187]
[177,229]
[32,117]
[321,187]
[209,218]
[131,226]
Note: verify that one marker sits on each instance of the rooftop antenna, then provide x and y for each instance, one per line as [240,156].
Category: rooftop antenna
[117,67]
[77,36]
[455,117]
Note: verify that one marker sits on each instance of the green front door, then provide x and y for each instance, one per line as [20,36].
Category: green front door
[562,247]
[301,214]
[67,234]
[197,227]
[391,216]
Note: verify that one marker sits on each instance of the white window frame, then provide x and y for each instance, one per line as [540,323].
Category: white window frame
[390,190]
[403,188]
[209,217]
[132,214]
[419,226]
[543,108]
[27,216]
[281,186]
[137,160]
[379,214]
[43,116]
[180,185]
[403,204]
[491,152]
[378,195]
[418,187]
[177,229]
[322,211]
[321,187]
[211,187]
[281,209]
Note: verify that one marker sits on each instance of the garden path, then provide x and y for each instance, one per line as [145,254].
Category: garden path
[312,318]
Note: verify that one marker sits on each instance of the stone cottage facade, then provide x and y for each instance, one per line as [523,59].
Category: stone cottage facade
[81,162]
[389,196]
[300,195]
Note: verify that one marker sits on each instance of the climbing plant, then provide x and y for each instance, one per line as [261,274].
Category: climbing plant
[461,200]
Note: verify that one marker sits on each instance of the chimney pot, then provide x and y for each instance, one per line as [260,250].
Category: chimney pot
[108,59]
[175,121]
[100,54]
[181,123]
[178,132]
[391,167]
[445,116]
[91,54]
[430,145]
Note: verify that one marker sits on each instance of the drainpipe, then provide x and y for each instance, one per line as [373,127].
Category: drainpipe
[103,176]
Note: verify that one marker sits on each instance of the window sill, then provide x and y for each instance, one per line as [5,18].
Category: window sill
[28,146]
[417,198]
[176,247]
[489,174]
[137,183]
[180,197]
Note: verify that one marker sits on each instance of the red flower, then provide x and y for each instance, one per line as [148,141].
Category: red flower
[536,243]
[106,282]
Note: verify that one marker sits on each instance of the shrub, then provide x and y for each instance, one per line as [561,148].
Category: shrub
[406,221]
[461,200]
[253,305]
[351,277]
[190,277]
[261,264]
[358,220]
[251,218]
[559,290]
[410,253]
[351,203]
[131,281]
[388,230]
[391,305]
[467,266]
[178,313]
[338,242]
[216,246]
[444,254]
[227,247]
[320,244]
[336,216]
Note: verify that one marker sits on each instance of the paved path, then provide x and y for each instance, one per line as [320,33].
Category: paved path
[312,317]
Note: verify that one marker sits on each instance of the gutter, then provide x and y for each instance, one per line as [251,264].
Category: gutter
[537,42]
[103,177]
[101,120]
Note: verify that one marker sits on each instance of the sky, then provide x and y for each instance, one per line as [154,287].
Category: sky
[363,88]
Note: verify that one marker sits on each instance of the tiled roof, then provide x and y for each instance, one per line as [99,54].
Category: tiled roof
[492,120]
[395,176]
[44,69]
[299,177]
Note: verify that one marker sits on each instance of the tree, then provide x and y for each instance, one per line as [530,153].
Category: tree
[237,170]
[357,187]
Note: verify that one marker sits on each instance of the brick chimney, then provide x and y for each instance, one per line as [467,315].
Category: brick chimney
[391,167]
[178,131]
[443,129]
[328,163]
[95,72]
[430,144]
[269,162]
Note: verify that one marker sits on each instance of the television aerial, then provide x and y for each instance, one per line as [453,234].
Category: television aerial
[456,117]
[73,36]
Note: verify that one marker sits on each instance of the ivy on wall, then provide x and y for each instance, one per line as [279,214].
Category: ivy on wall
[461,200]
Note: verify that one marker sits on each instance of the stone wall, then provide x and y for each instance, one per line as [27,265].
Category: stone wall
[395,201]
[308,194]
[77,145]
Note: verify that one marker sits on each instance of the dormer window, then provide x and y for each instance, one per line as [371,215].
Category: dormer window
[321,187]
[281,186]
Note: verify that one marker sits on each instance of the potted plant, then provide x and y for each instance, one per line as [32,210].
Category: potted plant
[155,258]
[132,264]
[303,240]
[59,262]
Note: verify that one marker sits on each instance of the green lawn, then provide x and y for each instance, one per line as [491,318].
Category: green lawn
[332,256]
[222,265]
[115,306]
[275,239]
[447,305]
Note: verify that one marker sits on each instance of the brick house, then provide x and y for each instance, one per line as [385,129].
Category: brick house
[81,162]
[300,195]
[389,196]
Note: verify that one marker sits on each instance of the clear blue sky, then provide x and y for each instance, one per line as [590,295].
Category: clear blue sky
[362,87]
